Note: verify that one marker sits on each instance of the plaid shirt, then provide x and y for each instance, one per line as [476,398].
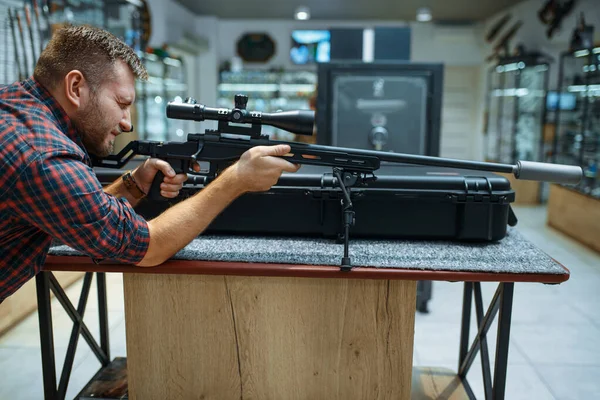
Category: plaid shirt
[49,190]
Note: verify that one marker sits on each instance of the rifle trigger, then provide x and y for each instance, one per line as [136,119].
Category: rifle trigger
[200,147]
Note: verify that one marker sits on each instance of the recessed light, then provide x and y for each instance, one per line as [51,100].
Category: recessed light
[302,13]
[424,14]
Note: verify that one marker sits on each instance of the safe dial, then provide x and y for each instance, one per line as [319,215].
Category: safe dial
[378,137]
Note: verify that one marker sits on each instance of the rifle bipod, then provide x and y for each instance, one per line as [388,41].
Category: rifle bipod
[346,179]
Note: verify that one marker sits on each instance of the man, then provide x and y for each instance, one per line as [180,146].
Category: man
[78,101]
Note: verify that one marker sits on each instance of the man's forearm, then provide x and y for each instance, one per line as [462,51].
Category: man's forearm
[180,224]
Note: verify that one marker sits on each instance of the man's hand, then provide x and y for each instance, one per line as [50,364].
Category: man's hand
[172,183]
[257,170]
[260,167]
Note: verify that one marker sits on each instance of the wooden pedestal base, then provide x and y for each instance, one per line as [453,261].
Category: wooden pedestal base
[526,192]
[232,337]
[575,214]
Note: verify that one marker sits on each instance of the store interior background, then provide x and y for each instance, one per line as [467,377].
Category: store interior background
[554,349]
[460,47]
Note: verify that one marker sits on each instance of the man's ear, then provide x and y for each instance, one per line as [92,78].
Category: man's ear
[76,89]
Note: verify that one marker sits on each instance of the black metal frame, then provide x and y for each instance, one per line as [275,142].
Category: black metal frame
[46,282]
[500,304]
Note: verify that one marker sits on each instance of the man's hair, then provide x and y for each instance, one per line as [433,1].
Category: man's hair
[90,50]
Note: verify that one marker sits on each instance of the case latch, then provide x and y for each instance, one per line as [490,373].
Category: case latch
[476,190]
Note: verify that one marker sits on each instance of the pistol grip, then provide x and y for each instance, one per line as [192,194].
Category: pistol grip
[154,193]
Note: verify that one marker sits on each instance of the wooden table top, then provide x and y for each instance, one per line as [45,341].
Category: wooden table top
[82,263]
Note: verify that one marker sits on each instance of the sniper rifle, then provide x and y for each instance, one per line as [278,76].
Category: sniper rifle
[239,130]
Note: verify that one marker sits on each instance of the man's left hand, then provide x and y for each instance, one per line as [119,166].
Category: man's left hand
[171,184]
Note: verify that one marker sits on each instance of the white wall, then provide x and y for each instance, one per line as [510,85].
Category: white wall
[429,42]
[280,31]
[208,63]
[452,45]
[169,21]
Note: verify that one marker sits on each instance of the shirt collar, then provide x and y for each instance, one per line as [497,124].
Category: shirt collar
[62,119]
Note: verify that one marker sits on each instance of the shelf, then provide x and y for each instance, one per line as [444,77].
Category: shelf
[265,87]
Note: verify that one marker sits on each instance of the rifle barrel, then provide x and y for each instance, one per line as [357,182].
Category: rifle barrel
[527,170]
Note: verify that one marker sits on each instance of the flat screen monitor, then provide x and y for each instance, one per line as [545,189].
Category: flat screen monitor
[310,46]
[385,106]
[564,101]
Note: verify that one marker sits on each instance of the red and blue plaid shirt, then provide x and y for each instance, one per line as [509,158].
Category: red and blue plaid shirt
[49,190]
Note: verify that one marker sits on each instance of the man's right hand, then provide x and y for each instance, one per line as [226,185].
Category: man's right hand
[260,167]
[257,170]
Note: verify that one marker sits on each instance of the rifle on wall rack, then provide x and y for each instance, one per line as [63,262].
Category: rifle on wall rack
[239,130]
[13,31]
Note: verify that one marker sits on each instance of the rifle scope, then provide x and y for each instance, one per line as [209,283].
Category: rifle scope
[300,122]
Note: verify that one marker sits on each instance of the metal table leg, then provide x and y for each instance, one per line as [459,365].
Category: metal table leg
[501,304]
[46,282]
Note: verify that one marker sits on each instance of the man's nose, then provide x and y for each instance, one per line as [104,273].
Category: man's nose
[126,125]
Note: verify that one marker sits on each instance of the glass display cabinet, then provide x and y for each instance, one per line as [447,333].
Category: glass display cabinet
[577,119]
[575,210]
[166,82]
[516,111]
[516,114]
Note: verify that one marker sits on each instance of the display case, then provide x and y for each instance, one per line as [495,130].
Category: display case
[130,20]
[166,82]
[516,111]
[575,210]
[269,91]
[577,116]
[126,19]
[26,28]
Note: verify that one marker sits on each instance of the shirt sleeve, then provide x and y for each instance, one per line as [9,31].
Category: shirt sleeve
[62,196]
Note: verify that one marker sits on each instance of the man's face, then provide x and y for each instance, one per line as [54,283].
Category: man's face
[107,113]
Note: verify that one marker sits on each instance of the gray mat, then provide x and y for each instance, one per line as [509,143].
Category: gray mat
[513,254]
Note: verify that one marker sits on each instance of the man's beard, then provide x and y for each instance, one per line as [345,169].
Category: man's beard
[93,127]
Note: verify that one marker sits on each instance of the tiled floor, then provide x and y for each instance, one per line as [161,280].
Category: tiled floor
[554,346]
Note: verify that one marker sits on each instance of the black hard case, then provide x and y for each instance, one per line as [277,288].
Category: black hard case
[406,201]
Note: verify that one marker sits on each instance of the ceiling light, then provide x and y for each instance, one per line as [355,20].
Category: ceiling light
[423,14]
[302,13]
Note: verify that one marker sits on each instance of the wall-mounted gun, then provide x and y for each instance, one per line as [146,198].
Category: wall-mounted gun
[239,130]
